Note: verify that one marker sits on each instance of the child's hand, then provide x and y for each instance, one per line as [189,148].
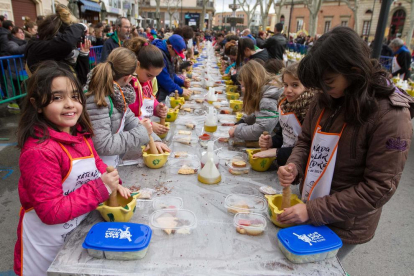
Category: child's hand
[124,191]
[147,124]
[162,111]
[161,147]
[187,83]
[187,93]
[85,47]
[111,179]
[159,129]
[231,131]
[287,174]
[265,154]
[296,214]
[265,141]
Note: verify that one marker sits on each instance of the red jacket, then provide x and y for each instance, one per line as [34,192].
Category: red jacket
[43,167]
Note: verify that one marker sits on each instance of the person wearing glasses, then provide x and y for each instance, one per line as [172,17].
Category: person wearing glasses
[117,38]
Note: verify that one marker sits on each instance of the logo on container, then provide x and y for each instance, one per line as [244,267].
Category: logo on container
[116,233]
[314,237]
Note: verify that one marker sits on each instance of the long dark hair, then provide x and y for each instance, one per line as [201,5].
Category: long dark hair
[244,43]
[342,51]
[39,88]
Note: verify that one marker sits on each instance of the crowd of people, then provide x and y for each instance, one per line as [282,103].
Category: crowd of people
[334,120]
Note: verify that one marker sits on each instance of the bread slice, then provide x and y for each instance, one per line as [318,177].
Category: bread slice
[184,132]
[186,170]
[239,164]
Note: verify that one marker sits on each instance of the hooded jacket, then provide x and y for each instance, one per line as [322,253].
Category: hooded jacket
[167,80]
[4,40]
[265,119]
[111,43]
[403,57]
[369,164]
[58,49]
[16,46]
[276,46]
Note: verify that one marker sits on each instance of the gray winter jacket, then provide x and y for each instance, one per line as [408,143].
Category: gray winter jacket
[265,119]
[106,141]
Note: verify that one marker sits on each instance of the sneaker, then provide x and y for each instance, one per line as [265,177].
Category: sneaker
[14,106]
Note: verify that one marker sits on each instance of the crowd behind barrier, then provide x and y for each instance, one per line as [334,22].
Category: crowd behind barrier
[13,74]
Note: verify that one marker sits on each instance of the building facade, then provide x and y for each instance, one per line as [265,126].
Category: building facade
[335,13]
[174,13]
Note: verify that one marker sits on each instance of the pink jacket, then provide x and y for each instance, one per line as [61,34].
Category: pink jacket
[43,167]
[136,106]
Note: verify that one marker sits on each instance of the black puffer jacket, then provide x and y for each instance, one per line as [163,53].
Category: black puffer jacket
[276,46]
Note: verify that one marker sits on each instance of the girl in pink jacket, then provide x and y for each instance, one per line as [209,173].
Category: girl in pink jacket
[150,65]
[62,177]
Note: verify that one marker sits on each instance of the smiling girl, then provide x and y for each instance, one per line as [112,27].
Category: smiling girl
[62,177]
[354,143]
[293,106]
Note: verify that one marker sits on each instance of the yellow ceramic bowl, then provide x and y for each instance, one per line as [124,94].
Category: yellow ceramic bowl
[228,82]
[410,92]
[225,77]
[275,205]
[172,116]
[154,161]
[123,213]
[236,105]
[239,115]
[259,164]
[174,102]
[231,88]
[162,136]
[232,96]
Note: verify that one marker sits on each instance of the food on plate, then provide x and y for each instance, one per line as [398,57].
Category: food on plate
[239,164]
[267,190]
[199,100]
[180,154]
[145,193]
[223,139]
[225,111]
[190,126]
[240,207]
[196,92]
[168,223]
[184,140]
[196,85]
[184,132]
[219,92]
[205,137]
[253,227]
[238,172]
[186,170]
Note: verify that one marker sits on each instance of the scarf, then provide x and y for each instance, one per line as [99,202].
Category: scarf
[129,94]
[402,49]
[300,106]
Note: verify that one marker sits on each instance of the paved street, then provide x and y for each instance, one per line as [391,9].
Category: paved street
[391,252]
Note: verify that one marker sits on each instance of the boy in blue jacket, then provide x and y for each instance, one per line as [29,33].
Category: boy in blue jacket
[167,80]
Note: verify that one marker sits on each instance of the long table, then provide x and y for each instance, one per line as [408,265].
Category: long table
[213,248]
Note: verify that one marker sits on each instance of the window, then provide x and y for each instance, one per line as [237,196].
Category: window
[299,24]
[365,27]
[327,26]
[344,23]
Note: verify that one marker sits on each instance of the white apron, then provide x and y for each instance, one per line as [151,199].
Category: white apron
[291,127]
[113,160]
[147,108]
[321,163]
[41,242]
[396,67]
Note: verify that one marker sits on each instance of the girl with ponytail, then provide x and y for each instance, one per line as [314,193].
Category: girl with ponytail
[108,91]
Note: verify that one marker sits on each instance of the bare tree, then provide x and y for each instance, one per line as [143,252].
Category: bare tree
[313,6]
[265,6]
[246,6]
[203,14]
[411,26]
[171,4]
[353,5]
[278,8]
[157,12]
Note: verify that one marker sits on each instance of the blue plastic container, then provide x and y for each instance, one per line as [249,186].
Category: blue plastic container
[118,240]
[308,243]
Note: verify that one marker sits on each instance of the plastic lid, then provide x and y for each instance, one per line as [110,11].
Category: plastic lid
[167,202]
[118,236]
[309,239]
[173,219]
[245,203]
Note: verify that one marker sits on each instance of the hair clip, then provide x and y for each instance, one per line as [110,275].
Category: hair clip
[146,44]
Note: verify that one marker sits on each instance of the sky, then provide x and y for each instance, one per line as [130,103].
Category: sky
[219,5]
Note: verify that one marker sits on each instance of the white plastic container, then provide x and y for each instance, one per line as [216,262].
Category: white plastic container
[167,202]
[173,221]
[238,203]
[249,224]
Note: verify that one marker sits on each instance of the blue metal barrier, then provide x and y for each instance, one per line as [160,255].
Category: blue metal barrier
[13,74]
[386,62]
[298,48]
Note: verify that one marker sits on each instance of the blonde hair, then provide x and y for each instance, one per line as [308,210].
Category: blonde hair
[254,76]
[121,62]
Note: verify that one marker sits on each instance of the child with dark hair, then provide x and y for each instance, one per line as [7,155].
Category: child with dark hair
[247,51]
[62,177]
[354,143]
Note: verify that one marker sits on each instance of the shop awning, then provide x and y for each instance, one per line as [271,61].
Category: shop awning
[91,6]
